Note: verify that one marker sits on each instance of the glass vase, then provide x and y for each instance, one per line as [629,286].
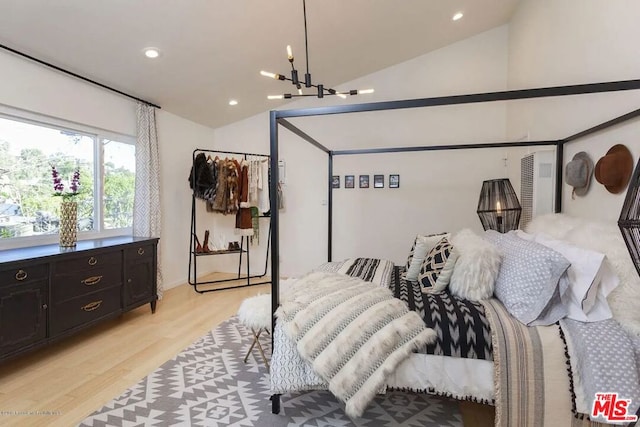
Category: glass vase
[68,230]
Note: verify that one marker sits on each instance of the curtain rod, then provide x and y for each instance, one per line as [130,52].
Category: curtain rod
[78,76]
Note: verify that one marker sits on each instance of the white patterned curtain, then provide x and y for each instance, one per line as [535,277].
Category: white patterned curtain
[146,204]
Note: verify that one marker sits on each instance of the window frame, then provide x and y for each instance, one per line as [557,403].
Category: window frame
[98,135]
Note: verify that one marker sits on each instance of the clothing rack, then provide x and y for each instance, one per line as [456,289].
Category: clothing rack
[193,255]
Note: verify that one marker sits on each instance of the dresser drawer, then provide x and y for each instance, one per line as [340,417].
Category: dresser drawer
[84,310]
[89,262]
[77,283]
[24,274]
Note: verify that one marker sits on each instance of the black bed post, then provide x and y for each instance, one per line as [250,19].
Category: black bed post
[330,208]
[275,233]
[559,166]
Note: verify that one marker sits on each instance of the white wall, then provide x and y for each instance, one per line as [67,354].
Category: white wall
[570,42]
[38,89]
[438,190]
[177,138]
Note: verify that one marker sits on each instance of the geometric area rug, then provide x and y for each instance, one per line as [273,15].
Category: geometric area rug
[208,384]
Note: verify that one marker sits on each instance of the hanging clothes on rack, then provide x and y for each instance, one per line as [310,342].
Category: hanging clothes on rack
[255,218]
[226,195]
[210,193]
[255,176]
[201,179]
[244,223]
[264,204]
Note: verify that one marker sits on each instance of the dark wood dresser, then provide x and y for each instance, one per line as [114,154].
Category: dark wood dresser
[47,292]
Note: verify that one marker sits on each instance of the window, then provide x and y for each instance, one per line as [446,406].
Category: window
[28,207]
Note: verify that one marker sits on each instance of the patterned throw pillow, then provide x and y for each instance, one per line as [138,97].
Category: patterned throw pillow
[434,263]
[411,253]
[529,282]
[421,246]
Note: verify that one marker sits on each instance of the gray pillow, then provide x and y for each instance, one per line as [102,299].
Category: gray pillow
[528,281]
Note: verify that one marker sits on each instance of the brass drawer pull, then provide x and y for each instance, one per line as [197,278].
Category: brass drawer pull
[90,281]
[21,275]
[92,306]
[140,251]
[92,261]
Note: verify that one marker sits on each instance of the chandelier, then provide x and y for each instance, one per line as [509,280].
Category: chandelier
[320,89]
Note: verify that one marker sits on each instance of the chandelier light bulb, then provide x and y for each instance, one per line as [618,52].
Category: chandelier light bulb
[275,97]
[289,53]
[151,52]
[341,95]
[268,74]
[299,91]
[365,91]
[457,16]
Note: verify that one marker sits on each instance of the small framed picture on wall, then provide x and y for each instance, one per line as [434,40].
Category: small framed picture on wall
[378,181]
[349,181]
[335,181]
[394,181]
[364,181]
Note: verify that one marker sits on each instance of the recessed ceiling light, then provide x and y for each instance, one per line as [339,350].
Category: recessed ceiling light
[233,102]
[151,52]
[457,16]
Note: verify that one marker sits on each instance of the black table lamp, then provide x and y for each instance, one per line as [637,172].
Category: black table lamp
[498,206]
[629,221]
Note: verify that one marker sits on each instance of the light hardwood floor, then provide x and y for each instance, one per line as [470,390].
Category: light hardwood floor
[59,385]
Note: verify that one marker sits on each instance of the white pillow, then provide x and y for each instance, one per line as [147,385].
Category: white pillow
[624,300]
[477,267]
[585,275]
[421,247]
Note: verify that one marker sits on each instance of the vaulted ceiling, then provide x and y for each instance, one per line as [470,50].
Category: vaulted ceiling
[212,50]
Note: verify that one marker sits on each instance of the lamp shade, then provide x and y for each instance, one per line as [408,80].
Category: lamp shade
[498,206]
[629,221]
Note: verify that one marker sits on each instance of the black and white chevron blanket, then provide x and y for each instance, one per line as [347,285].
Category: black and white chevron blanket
[461,326]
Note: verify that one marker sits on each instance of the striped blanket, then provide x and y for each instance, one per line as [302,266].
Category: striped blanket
[353,334]
[532,390]
[374,270]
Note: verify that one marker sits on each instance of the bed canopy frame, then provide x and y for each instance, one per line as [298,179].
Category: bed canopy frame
[279,118]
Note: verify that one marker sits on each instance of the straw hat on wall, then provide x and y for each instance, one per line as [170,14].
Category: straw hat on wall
[578,173]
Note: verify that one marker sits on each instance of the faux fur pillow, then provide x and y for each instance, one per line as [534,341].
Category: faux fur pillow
[624,300]
[477,267]
[553,225]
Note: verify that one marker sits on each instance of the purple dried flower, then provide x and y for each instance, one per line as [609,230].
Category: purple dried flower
[58,185]
[75,182]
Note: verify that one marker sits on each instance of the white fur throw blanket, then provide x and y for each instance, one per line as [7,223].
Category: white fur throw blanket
[353,333]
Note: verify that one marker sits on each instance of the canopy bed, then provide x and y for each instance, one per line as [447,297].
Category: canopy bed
[512,339]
